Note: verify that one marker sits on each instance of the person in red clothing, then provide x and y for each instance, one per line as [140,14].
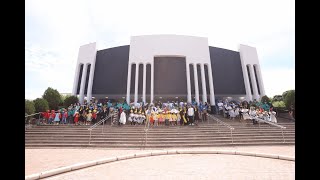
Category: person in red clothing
[45,116]
[94,116]
[52,115]
[64,116]
[76,118]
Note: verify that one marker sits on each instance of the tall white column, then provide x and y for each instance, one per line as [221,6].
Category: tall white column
[196,85]
[76,80]
[136,84]
[128,83]
[188,83]
[91,76]
[152,82]
[203,82]
[212,99]
[254,83]
[247,83]
[144,83]
[259,75]
[83,83]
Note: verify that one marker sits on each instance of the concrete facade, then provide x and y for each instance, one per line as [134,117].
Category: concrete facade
[143,50]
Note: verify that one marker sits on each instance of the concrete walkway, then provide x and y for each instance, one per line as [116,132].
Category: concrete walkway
[185,167]
[39,160]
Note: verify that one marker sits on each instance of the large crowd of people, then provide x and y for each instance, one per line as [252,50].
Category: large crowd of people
[157,114]
[245,110]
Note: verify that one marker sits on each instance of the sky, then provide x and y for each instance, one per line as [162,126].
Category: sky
[55,29]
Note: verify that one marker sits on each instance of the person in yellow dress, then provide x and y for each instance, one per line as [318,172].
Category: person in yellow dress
[155,118]
[178,118]
[167,120]
[160,118]
[174,119]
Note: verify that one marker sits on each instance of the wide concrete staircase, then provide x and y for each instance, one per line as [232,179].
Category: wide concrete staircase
[204,135]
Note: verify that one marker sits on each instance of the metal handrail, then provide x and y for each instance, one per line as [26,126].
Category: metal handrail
[224,124]
[39,113]
[97,124]
[33,114]
[271,123]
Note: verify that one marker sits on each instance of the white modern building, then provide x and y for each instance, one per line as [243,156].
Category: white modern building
[168,67]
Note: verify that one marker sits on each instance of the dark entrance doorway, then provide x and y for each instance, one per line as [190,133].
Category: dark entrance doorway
[170,79]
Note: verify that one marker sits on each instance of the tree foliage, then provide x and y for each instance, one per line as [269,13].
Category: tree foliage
[41,105]
[284,94]
[53,97]
[277,98]
[70,100]
[278,104]
[29,107]
[289,98]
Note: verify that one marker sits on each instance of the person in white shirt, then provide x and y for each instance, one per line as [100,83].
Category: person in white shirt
[131,116]
[273,117]
[123,118]
[190,115]
[236,112]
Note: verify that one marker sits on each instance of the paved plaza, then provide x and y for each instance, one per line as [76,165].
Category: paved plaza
[183,166]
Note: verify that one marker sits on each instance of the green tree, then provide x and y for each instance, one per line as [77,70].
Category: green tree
[41,105]
[278,104]
[29,107]
[277,98]
[265,99]
[70,100]
[284,94]
[289,98]
[53,97]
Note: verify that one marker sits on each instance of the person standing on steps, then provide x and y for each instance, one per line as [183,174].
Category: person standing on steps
[205,111]
[292,112]
[76,118]
[89,118]
[57,118]
[191,115]
[52,115]
[123,118]
[94,116]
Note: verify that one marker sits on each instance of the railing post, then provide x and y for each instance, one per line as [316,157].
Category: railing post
[102,127]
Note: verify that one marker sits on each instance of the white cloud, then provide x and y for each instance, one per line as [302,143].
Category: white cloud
[56,29]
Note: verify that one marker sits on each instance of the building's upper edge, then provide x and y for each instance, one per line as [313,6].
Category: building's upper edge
[129,45]
[223,49]
[167,35]
[112,48]
[246,46]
